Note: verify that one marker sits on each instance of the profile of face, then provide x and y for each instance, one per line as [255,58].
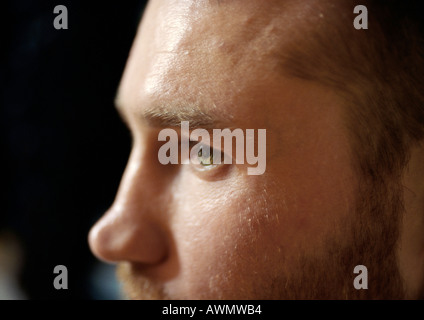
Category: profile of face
[298,230]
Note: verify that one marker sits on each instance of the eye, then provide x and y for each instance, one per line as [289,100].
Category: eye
[204,157]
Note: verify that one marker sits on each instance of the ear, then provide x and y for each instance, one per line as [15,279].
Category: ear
[411,241]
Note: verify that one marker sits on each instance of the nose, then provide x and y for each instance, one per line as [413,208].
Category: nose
[129,231]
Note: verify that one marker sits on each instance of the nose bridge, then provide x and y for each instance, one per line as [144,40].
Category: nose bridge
[130,193]
[131,229]
[142,187]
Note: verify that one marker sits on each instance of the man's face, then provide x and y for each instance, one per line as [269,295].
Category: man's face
[185,233]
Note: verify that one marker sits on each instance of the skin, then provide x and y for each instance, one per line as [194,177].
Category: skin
[183,233]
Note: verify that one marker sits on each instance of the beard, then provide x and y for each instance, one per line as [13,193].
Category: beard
[138,287]
[369,238]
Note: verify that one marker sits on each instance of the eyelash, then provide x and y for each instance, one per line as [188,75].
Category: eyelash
[205,171]
[208,164]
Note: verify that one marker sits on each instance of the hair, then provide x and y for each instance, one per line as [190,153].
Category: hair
[379,73]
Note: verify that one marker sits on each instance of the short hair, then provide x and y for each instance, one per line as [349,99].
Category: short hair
[378,71]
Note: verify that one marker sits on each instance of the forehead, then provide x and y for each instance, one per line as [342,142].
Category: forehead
[222,56]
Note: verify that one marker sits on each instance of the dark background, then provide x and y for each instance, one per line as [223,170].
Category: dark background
[64,147]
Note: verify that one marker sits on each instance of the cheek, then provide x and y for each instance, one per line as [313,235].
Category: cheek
[234,236]
[227,236]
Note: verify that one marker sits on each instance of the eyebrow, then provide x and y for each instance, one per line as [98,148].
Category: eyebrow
[166,115]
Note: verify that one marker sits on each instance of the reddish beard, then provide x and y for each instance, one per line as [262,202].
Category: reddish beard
[369,238]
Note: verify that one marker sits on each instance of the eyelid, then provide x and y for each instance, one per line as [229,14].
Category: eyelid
[212,172]
[217,172]
[200,145]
